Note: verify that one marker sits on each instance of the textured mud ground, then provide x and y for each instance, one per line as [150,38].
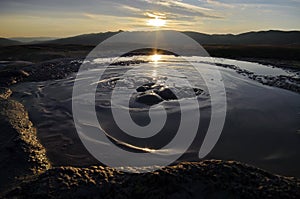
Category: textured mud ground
[27,173]
[20,151]
[208,179]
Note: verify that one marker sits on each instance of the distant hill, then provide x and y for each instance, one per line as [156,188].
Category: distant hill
[8,42]
[86,39]
[32,39]
[271,37]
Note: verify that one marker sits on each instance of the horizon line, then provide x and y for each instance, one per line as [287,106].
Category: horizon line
[111,31]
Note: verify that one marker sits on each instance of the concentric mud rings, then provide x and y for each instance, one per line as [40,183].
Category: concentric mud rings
[102,145]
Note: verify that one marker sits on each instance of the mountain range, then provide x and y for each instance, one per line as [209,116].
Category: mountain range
[271,37]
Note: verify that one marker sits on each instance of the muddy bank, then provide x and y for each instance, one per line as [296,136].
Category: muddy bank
[208,179]
[281,81]
[61,68]
[49,70]
[280,63]
[16,72]
[21,153]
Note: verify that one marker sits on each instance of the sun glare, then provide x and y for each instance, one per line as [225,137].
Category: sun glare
[155,58]
[157,22]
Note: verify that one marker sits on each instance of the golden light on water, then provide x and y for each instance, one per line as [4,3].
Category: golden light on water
[154,73]
[157,22]
[155,57]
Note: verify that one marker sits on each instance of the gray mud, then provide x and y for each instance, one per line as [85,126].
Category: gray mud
[26,171]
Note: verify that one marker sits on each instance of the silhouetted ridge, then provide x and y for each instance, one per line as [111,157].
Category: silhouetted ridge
[8,42]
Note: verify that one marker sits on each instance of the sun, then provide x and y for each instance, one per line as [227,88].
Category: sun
[155,57]
[157,22]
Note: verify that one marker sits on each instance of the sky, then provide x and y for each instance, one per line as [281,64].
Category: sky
[62,18]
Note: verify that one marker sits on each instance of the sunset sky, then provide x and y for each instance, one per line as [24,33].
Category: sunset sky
[60,18]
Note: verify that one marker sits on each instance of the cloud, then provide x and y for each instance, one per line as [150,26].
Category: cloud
[122,8]
[155,15]
[179,7]
[219,4]
[103,15]
[132,9]
[290,3]
[179,4]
